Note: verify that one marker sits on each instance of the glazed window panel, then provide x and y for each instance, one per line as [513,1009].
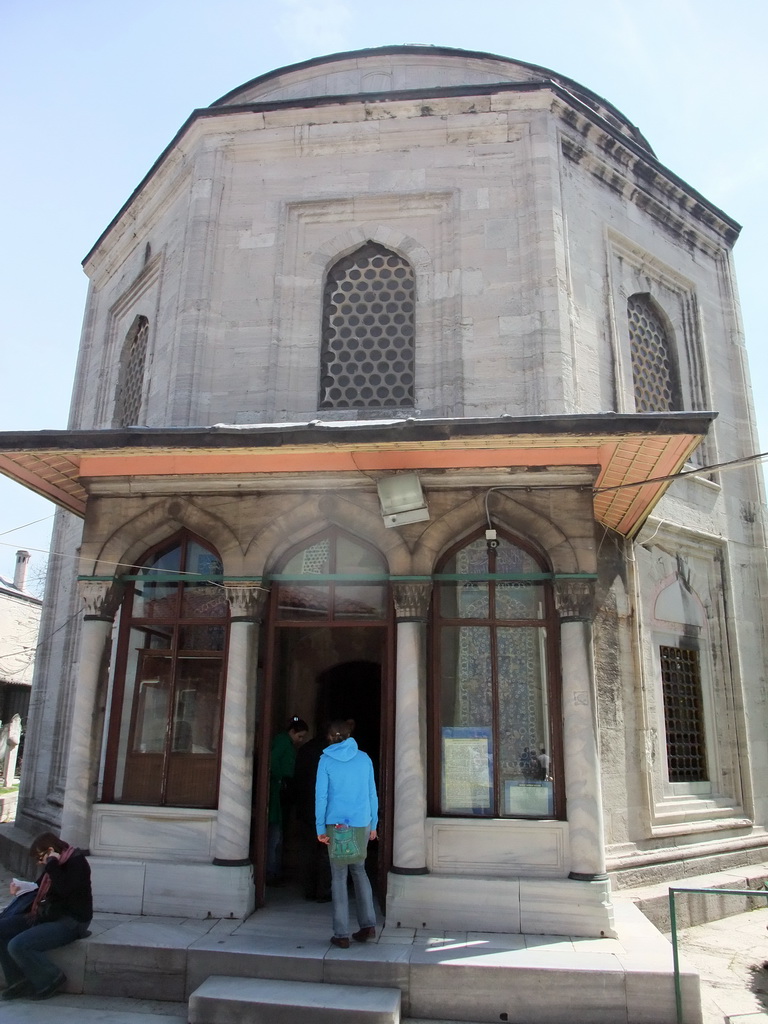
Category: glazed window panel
[303,601]
[347,594]
[466,721]
[192,763]
[519,600]
[359,601]
[468,600]
[312,560]
[202,638]
[163,744]
[157,599]
[356,559]
[524,758]
[154,688]
[492,685]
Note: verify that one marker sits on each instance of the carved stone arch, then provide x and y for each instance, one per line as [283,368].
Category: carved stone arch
[318,513]
[163,519]
[346,242]
[530,523]
[676,604]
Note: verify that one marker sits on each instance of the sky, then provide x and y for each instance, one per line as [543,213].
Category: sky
[93,90]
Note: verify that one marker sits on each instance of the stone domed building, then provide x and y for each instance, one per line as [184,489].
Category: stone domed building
[392,370]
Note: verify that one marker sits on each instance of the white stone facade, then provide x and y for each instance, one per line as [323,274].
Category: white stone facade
[530,212]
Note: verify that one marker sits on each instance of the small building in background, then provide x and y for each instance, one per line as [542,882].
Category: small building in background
[19,626]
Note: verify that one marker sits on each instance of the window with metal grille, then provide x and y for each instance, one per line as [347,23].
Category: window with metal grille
[654,367]
[367,356]
[683,715]
[130,387]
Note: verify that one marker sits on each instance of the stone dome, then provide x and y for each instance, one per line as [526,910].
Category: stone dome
[414,69]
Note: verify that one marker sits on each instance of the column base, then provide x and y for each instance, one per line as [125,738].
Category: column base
[409,871]
[577,876]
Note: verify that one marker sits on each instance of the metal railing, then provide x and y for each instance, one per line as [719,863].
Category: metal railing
[673,929]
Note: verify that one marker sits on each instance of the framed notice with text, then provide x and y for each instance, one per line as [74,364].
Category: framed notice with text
[467,770]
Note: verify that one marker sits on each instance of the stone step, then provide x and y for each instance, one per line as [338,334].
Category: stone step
[699,908]
[223,1000]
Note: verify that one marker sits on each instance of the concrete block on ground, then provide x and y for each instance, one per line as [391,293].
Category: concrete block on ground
[223,1000]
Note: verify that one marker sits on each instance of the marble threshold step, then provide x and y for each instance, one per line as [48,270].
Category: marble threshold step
[698,908]
[223,1000]
[447,975]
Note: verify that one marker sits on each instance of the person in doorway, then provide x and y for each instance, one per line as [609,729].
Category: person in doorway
[60,914]
[315,869]
[282,762]
[346,819]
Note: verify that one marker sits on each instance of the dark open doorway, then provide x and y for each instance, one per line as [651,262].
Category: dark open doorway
[320,673]
[352,689]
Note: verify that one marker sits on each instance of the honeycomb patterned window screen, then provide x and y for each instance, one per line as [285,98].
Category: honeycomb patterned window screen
[654,370]
[130,387]
[683,715]
[367,356]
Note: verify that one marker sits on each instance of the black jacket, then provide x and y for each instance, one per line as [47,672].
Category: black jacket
[70,892]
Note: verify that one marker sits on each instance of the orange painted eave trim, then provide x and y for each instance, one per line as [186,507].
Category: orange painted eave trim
[227,463]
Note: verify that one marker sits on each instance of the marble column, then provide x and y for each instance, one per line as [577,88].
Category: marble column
[580,739]
[409,845]
[101,603]
[233,823]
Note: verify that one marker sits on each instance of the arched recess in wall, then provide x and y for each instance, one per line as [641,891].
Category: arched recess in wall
[269,547]
[683,662]
[152,526]
[531,521]
[494,707]
[165,715]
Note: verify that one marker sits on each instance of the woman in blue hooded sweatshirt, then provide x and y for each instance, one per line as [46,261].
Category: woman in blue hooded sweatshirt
[346,816]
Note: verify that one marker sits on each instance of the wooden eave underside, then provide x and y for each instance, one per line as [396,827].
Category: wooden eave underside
[61,471]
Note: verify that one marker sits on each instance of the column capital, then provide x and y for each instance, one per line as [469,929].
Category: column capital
[101,598]
[575,599]
[246,600]
[411,601]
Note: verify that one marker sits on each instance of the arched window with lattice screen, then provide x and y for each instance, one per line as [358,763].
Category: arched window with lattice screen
[367,356]
[655,373]
[130,384]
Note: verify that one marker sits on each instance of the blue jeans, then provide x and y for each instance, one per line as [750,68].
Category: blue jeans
[274,850]
[366,915]
[23,945]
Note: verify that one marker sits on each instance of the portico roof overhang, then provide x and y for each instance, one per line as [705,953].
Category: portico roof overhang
[643,451]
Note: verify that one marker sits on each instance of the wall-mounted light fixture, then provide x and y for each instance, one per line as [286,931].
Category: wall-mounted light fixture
[402,499]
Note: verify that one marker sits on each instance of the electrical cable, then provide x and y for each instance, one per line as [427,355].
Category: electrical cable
[716,466]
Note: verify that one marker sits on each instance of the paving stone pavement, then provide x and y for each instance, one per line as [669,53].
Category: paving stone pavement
[729,955]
